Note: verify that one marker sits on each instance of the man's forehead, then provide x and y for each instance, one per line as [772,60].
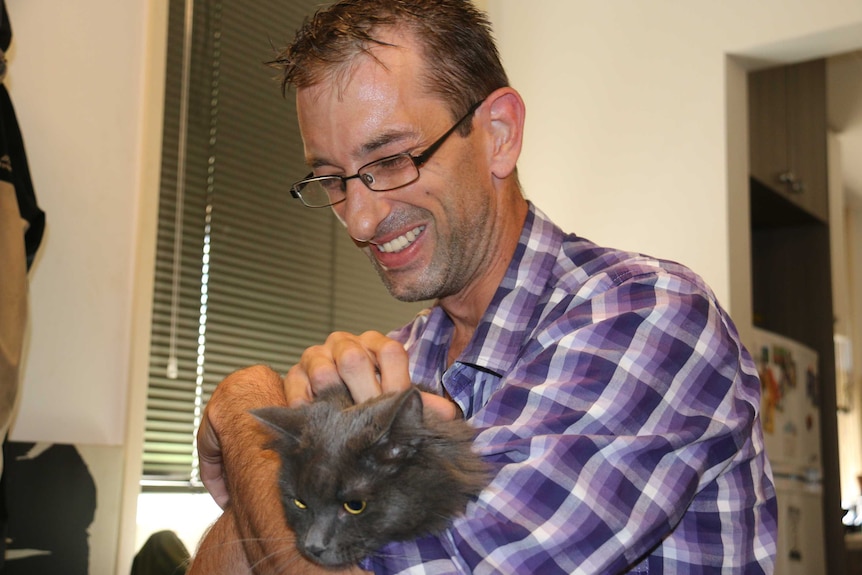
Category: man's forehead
[359,123]
[394,51]
[386,75]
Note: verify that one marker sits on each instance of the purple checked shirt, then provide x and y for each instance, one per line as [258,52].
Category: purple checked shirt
[620,411]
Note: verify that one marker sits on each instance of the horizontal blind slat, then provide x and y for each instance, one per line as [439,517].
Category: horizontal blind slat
[277,277]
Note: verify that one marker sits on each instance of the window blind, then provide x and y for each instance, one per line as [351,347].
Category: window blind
[244,274]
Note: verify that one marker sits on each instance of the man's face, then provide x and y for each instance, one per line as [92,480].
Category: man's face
[428,239]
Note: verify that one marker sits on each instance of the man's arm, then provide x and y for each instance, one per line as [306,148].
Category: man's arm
[220,551]
[243,478]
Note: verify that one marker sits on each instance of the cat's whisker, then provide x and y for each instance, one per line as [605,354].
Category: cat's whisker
[390,555]
[249,539]
[287,549]
[292,556]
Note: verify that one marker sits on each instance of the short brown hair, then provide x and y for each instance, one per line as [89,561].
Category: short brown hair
[463,65]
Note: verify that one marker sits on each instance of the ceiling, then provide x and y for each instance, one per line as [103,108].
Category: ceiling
[844,110]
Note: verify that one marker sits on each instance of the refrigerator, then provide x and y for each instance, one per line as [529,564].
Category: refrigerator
[790,415]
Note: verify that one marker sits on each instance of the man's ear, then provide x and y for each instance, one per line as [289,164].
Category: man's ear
[506,111]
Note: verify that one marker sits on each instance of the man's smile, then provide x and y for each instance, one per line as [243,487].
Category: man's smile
[401,242]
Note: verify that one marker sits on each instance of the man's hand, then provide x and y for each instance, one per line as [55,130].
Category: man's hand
[210,459]
[226,425]
[369,364]
[252,530]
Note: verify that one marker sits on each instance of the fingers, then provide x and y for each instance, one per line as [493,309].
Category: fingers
[396,376]
[297,386]
[358,366]
[222,436]
[444,408]
[210,460]
[368,364]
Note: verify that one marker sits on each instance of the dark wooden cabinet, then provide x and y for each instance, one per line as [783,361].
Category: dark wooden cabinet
[787,108]
[790,254]
[854,553]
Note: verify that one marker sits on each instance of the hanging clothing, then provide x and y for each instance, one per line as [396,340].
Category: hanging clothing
[22,224]
[13,159]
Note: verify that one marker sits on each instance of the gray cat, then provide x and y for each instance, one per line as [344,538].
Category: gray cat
[355,477]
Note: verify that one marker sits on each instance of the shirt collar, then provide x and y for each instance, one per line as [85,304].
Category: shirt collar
[518,302]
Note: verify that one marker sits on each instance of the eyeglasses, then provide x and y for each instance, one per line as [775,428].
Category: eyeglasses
[383,175]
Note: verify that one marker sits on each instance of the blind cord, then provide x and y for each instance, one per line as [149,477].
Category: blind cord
[173,364]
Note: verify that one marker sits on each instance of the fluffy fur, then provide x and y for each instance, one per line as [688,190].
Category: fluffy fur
[355,477]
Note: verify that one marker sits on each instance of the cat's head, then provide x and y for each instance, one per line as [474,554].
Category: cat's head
[354,478]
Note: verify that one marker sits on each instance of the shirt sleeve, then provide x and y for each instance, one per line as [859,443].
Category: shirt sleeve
[625,435]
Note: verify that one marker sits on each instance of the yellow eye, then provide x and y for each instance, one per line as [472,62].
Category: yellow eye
[299,504]
[354,507]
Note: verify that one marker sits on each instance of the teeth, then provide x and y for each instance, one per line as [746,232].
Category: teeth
[401,242]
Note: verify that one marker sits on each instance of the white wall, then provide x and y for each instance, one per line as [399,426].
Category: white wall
[628,139]
[627,143]
[76,80]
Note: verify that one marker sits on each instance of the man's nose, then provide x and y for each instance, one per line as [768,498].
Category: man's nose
[362,211]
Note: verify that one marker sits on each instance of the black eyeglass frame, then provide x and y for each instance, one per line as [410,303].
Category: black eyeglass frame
[418,161]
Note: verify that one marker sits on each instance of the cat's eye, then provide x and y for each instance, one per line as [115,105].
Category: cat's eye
[300,504]
[354,507]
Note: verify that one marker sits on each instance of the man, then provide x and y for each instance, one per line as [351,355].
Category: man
[610,391]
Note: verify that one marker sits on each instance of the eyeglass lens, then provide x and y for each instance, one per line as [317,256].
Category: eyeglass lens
[380,176]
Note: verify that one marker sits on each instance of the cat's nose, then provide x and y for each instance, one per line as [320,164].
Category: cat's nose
[315,550]
[315,542]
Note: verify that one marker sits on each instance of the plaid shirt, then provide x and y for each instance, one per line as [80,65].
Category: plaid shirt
[620,410]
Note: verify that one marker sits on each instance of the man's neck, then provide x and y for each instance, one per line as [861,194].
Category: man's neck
[467,307]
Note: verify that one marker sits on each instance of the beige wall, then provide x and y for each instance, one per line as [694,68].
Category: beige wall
[77,80]
[628,133]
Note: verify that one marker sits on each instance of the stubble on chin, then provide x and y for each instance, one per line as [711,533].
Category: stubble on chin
[420,289]
[442,277]
[452,265]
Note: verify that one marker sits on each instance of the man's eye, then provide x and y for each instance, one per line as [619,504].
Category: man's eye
[395,163]
[331,184]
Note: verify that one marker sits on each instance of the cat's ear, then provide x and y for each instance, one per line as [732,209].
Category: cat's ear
[397,439]
[283,423]
[408,409]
